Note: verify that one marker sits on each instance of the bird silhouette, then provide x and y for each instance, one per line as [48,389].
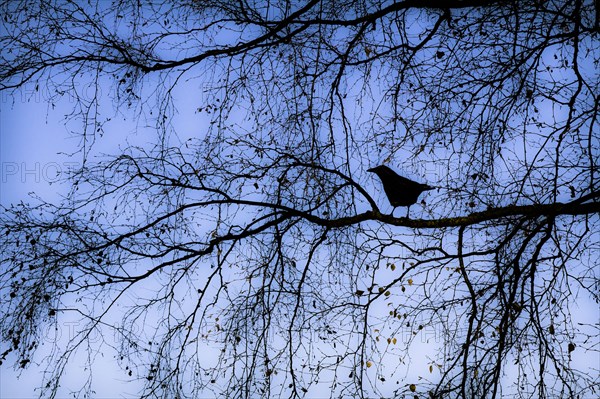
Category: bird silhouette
[399,190]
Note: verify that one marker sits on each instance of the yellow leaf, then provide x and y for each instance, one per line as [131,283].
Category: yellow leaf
[369,364]
[394,341]
[393,267]
[412,387]
[431,368]
[410,281]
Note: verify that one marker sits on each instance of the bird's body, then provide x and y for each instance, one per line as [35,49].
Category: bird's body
[399,190]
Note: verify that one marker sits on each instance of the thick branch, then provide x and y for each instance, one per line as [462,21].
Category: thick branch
[556,209]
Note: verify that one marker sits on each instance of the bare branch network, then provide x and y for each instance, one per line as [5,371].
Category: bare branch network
[235,245]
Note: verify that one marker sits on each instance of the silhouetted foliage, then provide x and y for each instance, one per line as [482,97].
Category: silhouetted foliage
[252,260]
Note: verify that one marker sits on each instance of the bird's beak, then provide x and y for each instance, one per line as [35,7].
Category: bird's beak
[371,170]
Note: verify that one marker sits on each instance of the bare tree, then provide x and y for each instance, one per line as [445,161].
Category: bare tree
[255,260]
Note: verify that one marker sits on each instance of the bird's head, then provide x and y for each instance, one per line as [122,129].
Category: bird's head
[380,170]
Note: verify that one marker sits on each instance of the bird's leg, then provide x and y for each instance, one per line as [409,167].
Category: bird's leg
[407,211]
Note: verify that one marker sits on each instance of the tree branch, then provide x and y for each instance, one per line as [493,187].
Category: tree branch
[532,211]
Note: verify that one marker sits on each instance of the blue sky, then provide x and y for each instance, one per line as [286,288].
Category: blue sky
[35,143]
